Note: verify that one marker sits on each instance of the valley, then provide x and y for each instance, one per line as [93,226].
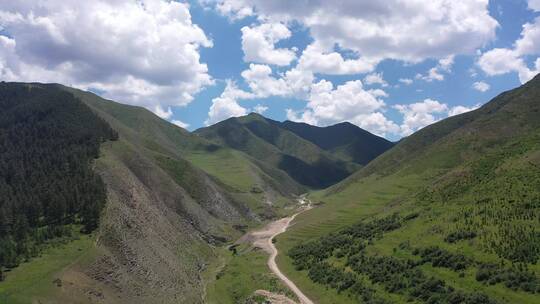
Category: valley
[446,215]
[263,238]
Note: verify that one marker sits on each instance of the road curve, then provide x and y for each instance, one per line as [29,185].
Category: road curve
[275,269]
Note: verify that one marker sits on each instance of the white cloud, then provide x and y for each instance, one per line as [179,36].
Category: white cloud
[299,82]
[433,74]
[348,102]
[443,66]
[234,9]
[406,81]
[529,42]
[165,114]
[481,86]
[258,44]
[461,109]
[226,105]
[500,61]
[534,5]
[412,30]
[180,123]
[262,83]
[378,93]
[326,61]
[375,78]
[260,109]
[141,52]
[446,63]
[420,114]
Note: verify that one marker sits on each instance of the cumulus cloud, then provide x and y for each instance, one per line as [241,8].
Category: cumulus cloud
[446,63]
[226,105]
[529,42]
[436,73]
[262,83]
[461,109]
[327,61]
[432,75]
[481,86]
[375,78]
[348,102]
[420,114]
[505,60]
[260,109]
[141,52]
[501,61]
[258,44]
[412,30]
[165,114]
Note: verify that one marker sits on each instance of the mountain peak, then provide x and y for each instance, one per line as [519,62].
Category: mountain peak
[252,116]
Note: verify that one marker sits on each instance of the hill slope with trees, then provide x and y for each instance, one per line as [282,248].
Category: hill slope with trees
[448,215]
[48,141]
[161,199]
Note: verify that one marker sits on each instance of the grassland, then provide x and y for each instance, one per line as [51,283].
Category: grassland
[35,280]
[473,182]
[240,275]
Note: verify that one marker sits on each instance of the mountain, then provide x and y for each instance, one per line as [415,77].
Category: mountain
[124,206]
[308,154]
[448,215]
[343,140]
[105,202]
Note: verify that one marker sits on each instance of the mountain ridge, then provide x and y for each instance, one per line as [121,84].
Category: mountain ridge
[352,142]
[300,156]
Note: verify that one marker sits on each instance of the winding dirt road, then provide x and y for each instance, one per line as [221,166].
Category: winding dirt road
[263,237]
[275,269]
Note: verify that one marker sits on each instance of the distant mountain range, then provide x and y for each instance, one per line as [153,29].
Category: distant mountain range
[315,157]
[344,140]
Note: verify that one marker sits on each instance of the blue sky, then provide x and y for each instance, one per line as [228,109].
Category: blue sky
[391,67]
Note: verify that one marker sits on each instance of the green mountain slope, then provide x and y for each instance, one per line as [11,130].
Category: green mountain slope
[344,140]
[449,215]
[170,198]
[244,177]
[267,141]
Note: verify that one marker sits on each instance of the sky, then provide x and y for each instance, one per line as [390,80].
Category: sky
[390,67]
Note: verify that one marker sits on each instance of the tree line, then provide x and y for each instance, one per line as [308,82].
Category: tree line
[48,140]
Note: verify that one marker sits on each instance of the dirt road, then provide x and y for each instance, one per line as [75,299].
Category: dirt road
[263,239]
